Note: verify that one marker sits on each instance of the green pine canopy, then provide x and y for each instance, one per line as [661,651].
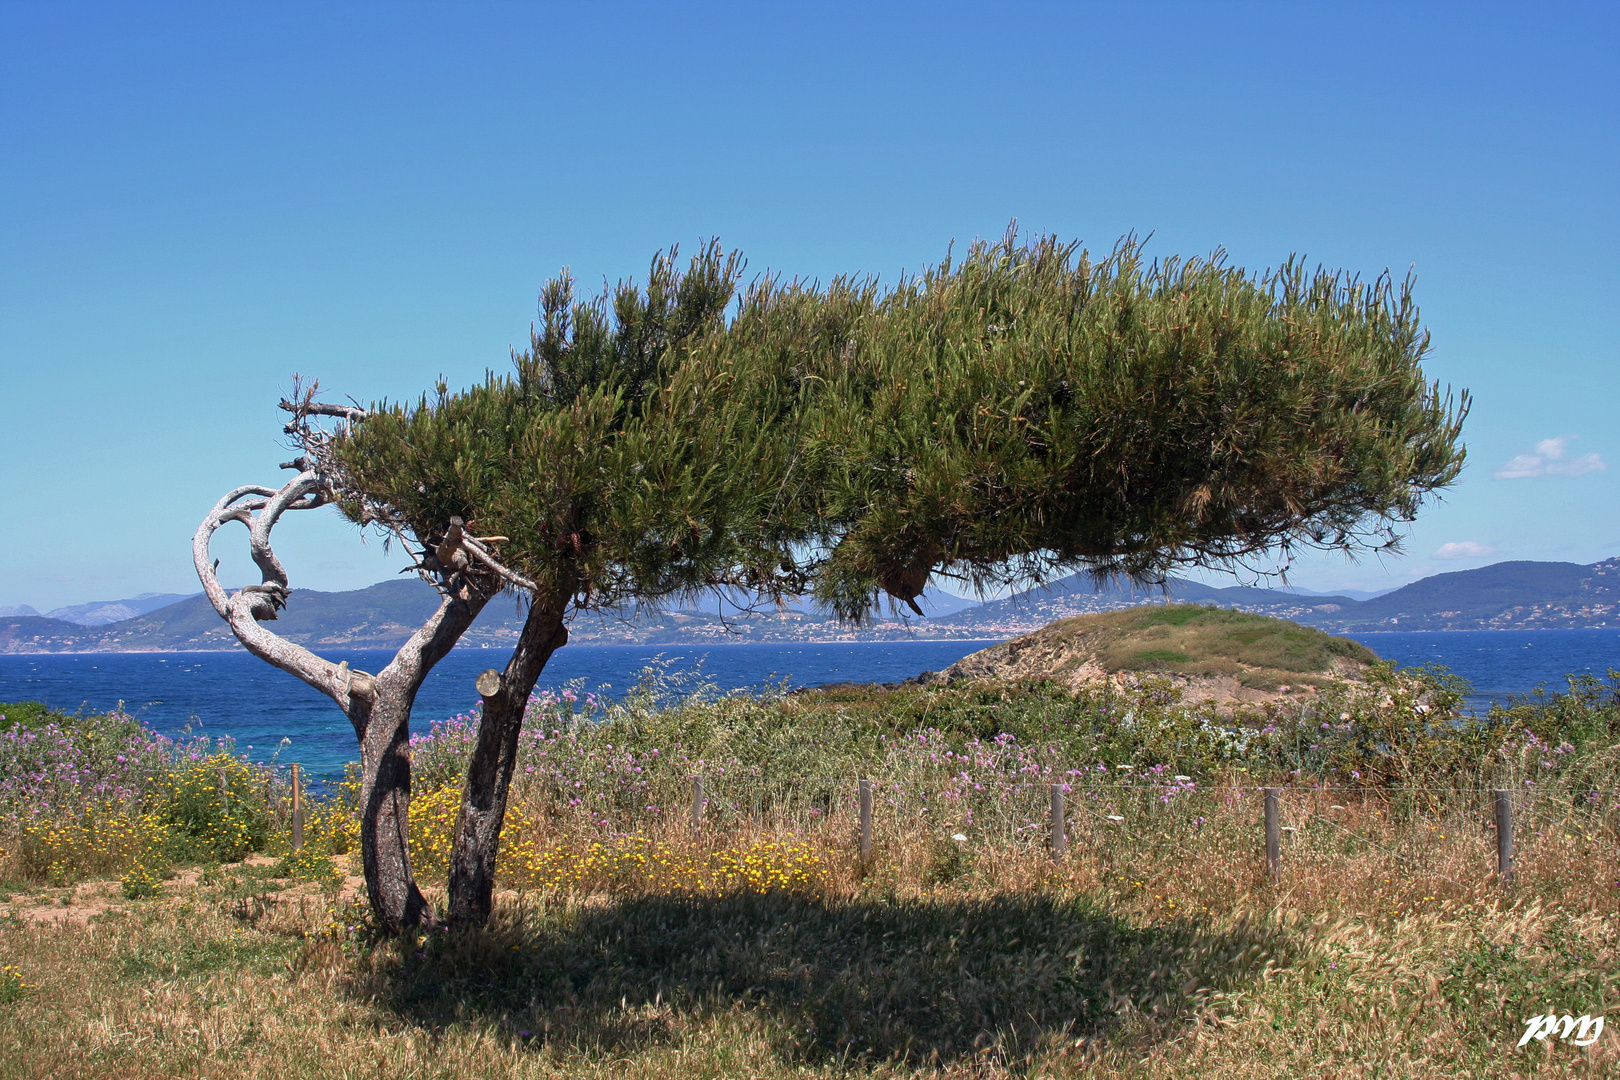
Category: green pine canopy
[1017,413]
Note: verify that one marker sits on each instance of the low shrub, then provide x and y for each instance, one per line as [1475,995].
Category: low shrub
[141,882]
[949,859]
[310,864]
[51,763]
[101,841]
[332,823]
[641,864]
[218,802]
[101,794]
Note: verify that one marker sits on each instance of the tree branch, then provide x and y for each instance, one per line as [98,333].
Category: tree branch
[248,606]
[511,577]
[301,409]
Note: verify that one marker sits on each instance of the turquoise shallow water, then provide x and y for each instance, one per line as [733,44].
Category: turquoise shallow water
[234,694]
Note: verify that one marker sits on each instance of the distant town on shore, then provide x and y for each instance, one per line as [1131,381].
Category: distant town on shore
[1503,596]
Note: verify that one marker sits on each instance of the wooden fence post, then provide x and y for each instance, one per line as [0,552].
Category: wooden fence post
[697,805]
[297,809]
[865,787]
[1504,836]
[224,791]
[1060,839]
[1273,837]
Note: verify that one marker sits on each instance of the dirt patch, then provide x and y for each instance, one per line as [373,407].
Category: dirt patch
[80,904]
[74,905]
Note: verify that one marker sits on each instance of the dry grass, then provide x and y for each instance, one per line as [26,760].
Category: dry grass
[1157,950]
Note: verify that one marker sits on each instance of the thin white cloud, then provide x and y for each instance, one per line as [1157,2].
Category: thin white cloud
[1547,459]
[1464,549]
[1523,467]
[1578,467]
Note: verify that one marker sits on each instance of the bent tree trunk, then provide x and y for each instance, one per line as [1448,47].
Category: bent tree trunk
[383,726]
[378,706]
[489,772]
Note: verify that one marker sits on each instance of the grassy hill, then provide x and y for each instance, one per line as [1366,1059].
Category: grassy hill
[1215,654]
[1194,640]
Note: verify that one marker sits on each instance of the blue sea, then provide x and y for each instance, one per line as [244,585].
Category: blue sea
[233,694]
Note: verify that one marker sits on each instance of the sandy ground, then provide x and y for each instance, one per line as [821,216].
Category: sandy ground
[83,902]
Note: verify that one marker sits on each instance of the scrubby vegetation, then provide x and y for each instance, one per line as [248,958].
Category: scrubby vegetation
[1182,641]
[89,795]
[764,944]
[1193,640]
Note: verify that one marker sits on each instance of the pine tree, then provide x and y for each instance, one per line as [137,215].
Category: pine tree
[1021,412]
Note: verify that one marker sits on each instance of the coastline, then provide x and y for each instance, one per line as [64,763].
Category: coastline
[997,634]
[586,644]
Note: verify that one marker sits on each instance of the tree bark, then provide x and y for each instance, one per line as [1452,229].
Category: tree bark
[383,726]
[378,706]
[489,772]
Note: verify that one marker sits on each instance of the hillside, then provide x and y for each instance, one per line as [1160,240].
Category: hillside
[1508,595]
[386,614]
[1212,654]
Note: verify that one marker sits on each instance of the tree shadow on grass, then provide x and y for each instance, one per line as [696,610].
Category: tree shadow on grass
[920,980]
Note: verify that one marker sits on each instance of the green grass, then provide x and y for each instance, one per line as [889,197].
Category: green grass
[1187,639]
[1152,658]
[167,955]
[920,980]
[31,714]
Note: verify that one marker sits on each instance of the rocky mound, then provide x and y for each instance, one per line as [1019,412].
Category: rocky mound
[1228,657]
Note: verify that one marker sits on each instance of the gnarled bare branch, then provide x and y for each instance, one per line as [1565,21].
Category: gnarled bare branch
[227,509]
[511,577]
[321,408]
[303,403]
[244,610]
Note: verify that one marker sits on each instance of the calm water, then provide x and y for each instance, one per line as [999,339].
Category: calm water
[234,694]
[238,695]
[1502,662]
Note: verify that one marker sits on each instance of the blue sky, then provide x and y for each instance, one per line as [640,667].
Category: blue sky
[198,201]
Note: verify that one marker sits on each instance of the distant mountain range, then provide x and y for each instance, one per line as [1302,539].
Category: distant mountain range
[1508,595]
[102,612]
[1503,596]
[385,614]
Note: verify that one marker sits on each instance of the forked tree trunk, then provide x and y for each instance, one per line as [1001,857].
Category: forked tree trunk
[378,706]
[489,772]
[383,726]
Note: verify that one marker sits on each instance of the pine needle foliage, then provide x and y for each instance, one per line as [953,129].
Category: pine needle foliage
[1017,413]
[615,471]
[1027,411]
[581,348]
